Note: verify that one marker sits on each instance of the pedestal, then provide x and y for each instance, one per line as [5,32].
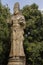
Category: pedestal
[17,61]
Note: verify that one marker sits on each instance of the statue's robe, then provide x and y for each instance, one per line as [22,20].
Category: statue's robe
[17,28]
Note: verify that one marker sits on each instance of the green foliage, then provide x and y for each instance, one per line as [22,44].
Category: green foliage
[33,43]
[4,33]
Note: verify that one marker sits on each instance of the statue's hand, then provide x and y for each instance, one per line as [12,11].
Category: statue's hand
[21,23]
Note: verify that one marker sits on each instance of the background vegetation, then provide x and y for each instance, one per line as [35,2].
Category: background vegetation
[33,43]
[4,34]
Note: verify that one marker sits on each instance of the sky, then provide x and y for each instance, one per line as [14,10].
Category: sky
[22,3]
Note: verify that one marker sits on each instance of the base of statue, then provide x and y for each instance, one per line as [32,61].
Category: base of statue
[17,61]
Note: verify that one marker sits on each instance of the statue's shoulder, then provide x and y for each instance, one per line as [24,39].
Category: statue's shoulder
[12,17]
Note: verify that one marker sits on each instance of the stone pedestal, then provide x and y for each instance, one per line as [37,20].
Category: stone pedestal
[17,61]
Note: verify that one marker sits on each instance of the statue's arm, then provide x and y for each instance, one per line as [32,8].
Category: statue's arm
[10,22]
[22,22]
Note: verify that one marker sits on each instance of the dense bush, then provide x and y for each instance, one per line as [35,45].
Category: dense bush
[33,43]
[4,34]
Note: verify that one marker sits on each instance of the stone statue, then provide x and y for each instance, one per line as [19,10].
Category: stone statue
[17,27]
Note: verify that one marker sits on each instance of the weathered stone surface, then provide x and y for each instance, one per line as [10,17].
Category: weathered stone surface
[17,28]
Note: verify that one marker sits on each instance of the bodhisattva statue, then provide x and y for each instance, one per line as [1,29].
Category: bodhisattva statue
[17,27]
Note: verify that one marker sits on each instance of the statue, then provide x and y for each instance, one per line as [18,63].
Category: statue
[17,31]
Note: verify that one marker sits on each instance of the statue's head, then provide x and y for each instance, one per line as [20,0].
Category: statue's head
[16,8]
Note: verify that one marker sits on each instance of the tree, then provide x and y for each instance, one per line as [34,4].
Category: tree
[4,33]
[33,43]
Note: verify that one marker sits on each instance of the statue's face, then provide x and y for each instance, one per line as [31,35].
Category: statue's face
[16,11]
[16,8]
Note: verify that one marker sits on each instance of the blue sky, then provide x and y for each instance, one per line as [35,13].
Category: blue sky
[22,3]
